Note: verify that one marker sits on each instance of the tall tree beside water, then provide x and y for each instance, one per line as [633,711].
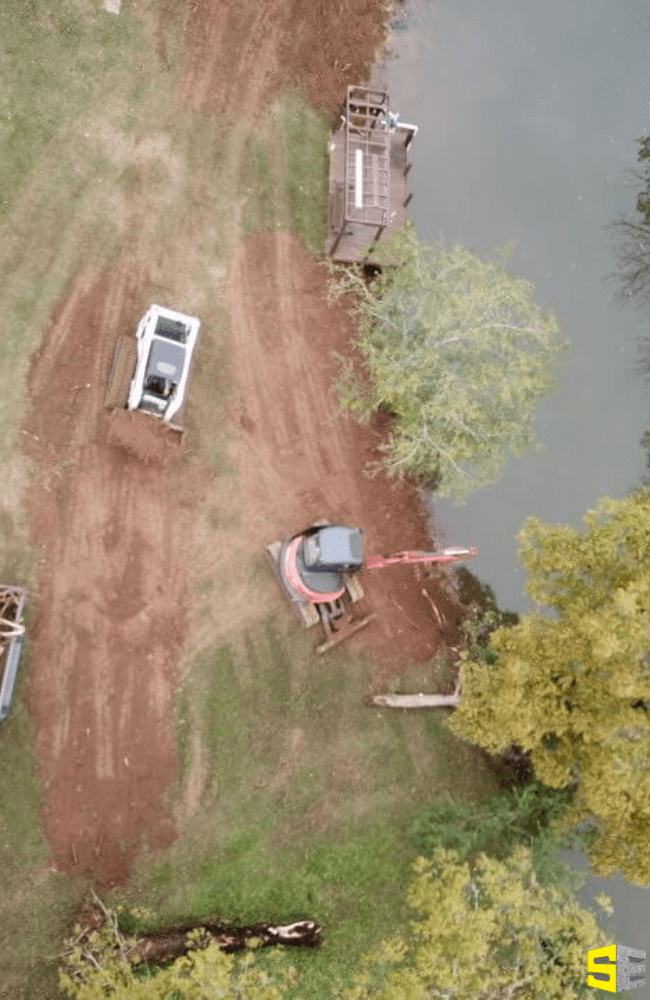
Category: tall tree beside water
[571,681]
[458,352]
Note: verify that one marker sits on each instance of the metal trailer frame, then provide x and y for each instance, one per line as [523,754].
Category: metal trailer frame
[367,162]
[13,601]
[372,193]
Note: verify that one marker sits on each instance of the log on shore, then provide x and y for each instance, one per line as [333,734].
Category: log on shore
[414,700]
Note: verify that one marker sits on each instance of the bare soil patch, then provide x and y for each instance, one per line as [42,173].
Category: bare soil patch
[118,510]
[240,56]
[150,441]
[300,461]
[113,593]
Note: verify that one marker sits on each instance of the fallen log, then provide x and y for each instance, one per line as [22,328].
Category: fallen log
[414,700]
[417,700]
[166,945]
[169,943]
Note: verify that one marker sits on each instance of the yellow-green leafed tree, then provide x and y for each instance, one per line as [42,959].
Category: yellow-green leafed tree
[571,682]
[489,931]
[101,968]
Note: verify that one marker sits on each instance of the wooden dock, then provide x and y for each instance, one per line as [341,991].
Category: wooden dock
[369,168]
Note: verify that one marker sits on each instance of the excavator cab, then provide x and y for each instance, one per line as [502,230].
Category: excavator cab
[333,549]
[317,572]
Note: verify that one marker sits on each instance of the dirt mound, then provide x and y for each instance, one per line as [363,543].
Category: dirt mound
[144,438]
[240,56]
[300,461]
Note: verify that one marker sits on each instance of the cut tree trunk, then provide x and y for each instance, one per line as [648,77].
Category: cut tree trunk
[170,943]
[414,700]
[166,945]
[418,700]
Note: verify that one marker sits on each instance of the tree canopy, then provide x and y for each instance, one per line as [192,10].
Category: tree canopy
[487,931]
[458,351]
[571,681]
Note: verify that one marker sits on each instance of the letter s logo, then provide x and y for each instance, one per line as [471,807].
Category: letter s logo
[601,965]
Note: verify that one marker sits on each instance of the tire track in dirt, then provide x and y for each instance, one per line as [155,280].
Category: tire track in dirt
[113,597]
[240,56]
[255,33]
[284,401]
[316,403]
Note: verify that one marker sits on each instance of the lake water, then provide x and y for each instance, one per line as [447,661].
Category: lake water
[528,113]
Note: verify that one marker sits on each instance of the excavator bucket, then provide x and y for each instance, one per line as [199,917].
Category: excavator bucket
[122,368]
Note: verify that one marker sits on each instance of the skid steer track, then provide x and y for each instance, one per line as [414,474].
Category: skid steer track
[122,369]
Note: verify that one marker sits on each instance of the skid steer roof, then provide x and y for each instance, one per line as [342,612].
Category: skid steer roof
[166,359]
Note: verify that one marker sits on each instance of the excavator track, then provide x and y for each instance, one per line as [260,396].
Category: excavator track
[122,368]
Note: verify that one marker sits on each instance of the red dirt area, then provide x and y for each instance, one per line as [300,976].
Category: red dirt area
[300,462]
[110,507]
[113,595]
[111,512]
[240,56]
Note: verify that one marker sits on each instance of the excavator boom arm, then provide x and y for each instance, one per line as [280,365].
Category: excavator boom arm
[445,556]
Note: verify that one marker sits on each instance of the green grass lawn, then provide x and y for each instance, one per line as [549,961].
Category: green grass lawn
[307,797]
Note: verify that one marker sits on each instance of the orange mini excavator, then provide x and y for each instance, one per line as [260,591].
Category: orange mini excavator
[318,572]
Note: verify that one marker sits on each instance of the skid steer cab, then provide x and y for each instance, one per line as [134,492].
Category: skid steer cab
[152,371]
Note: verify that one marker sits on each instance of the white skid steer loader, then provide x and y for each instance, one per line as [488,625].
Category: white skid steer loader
[152,371]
